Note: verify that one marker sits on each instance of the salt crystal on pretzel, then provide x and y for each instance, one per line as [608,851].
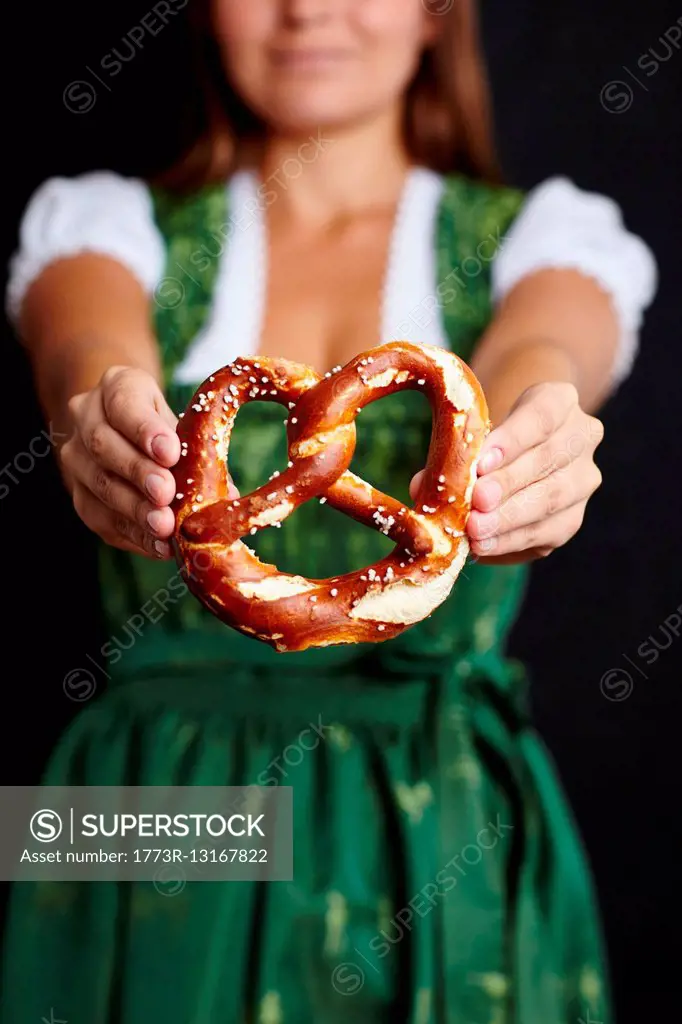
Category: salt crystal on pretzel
[375,603]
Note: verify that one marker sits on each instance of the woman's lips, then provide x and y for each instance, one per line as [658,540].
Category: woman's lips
[308,60]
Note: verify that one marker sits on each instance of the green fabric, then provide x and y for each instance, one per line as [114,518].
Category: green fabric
[439,878]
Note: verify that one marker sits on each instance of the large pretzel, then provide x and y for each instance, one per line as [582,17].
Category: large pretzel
[292,613]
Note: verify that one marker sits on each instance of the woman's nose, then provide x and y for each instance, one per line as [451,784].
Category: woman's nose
[306,12]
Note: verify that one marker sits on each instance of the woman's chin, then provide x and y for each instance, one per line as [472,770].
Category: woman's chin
[304,116]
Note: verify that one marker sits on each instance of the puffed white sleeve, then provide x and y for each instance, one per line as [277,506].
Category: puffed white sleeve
[99,212]
[561,226]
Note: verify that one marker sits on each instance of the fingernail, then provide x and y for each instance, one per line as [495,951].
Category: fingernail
[162,448]
[161,549]
[487,545]
[491,460]
[154,486]
[155,520]
[488,525]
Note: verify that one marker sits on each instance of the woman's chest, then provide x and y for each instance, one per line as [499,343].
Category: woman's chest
[324,298]
[315,300]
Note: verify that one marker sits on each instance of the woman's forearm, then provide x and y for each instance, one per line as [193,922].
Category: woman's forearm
[82,316]
[519,368]
[556,325]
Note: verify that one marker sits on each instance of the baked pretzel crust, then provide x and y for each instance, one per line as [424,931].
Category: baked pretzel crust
[376,603]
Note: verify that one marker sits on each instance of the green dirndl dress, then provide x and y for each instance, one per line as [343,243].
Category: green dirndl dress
[438,878]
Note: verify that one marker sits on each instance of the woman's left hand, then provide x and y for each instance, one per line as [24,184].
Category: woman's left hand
[536,475]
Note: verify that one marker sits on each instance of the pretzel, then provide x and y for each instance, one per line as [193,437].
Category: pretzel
[293,613]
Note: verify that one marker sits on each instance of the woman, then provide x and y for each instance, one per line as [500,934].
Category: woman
[345,193]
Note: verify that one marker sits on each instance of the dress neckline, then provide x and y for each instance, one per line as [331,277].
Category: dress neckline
[409,284]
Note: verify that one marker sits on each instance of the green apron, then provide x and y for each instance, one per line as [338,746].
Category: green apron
[439,878]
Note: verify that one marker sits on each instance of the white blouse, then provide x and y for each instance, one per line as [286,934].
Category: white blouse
[559,226]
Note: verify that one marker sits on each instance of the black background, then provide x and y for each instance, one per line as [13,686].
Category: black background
[590,606]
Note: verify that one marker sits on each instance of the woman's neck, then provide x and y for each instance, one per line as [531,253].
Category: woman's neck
[332,174]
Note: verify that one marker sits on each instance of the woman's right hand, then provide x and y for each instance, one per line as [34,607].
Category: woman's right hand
[118,459]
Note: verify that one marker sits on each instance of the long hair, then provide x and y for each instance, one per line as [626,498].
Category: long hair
[447,119]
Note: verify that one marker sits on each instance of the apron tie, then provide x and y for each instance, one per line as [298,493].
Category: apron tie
[479,703]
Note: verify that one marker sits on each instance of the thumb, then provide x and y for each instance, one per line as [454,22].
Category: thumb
[166,446]
[135,406]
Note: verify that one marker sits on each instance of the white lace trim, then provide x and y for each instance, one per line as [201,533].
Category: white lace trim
[240,289]
[234,326]
[410,309]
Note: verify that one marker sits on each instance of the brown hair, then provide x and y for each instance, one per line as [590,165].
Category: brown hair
[448,119]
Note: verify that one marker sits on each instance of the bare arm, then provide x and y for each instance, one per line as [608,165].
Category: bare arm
[556,325]
[86,323]
[545,365]
[83,315]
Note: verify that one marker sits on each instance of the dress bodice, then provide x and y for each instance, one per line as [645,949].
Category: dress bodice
[317,541]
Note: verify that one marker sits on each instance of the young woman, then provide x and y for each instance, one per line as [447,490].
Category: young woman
[343,194]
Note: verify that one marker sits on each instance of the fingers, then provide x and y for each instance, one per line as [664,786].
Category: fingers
[537,415]
[135,407]
[115,492]
[534,503]
[119,460]
[576,440]
[535,540]
[164,410]
[115,454]
[114,528]
[542,501]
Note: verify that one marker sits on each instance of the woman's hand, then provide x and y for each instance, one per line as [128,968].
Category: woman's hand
[118,461]
[536,475]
